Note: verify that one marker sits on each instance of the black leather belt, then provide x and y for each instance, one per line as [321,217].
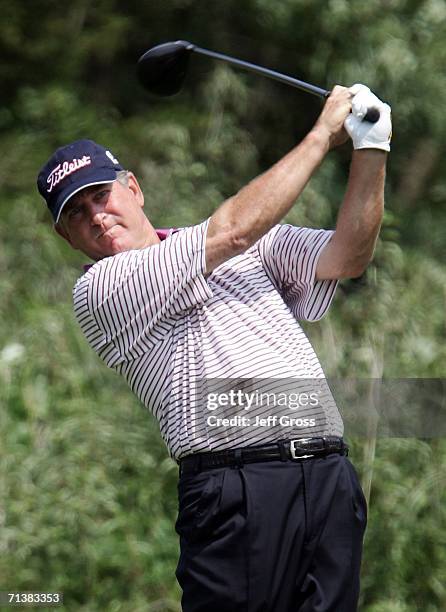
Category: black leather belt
[283,450]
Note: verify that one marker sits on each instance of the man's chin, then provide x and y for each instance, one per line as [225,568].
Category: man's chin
[118,246]
[114,248]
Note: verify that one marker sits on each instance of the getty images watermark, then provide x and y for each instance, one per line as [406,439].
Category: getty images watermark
[257,401]
[397,407]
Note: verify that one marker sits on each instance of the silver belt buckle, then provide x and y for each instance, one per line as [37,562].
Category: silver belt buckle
[293,449]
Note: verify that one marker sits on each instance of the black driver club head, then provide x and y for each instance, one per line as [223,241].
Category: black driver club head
[161,70]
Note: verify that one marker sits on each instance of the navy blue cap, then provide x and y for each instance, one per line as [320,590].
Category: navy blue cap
[71,168]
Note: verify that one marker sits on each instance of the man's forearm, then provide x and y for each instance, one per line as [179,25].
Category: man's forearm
[254,210]
[359,219]
[241,220]
[360,216]
[268,198]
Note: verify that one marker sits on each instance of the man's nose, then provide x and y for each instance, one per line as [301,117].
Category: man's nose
[98,217]
[97,213]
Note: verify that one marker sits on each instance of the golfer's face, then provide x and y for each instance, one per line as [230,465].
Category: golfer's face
[106,219]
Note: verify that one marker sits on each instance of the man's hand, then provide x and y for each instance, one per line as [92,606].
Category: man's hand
[367,135]
[331,120]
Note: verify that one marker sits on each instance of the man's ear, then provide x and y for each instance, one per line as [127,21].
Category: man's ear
[62,232]
[136,189]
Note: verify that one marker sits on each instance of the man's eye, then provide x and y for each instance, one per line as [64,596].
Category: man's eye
[74,211]
[100,195]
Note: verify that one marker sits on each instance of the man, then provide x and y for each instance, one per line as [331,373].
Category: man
[271,514]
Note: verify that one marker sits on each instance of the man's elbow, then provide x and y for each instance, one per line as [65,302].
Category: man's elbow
[239,241]
[225,228]
[355,272]
[360,255]
[357,266]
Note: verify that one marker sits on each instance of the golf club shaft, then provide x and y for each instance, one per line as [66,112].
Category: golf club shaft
[272,74]
[372,115]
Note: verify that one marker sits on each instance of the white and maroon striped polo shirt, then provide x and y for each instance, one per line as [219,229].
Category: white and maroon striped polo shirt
[153,316]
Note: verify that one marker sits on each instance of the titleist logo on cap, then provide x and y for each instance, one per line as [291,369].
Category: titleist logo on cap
[65,169]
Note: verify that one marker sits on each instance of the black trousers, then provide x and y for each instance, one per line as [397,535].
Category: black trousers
[272,537]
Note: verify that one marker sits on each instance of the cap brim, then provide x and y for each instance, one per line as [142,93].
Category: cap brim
[100,178]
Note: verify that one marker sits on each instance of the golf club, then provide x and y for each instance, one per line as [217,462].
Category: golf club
[162,70]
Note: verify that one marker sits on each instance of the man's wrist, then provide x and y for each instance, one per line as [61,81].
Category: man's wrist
[320,136]
[367,154]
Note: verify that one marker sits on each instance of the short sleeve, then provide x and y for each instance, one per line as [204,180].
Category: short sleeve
[127,303]
[290,255]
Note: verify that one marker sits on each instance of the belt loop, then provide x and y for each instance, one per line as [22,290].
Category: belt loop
[283,451]
[238,457]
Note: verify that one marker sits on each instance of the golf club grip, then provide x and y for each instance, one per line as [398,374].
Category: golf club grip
[372,115]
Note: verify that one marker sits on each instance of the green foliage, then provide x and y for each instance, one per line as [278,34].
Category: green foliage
[87,492]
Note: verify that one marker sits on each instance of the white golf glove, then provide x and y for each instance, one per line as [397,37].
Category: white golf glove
[366,135]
